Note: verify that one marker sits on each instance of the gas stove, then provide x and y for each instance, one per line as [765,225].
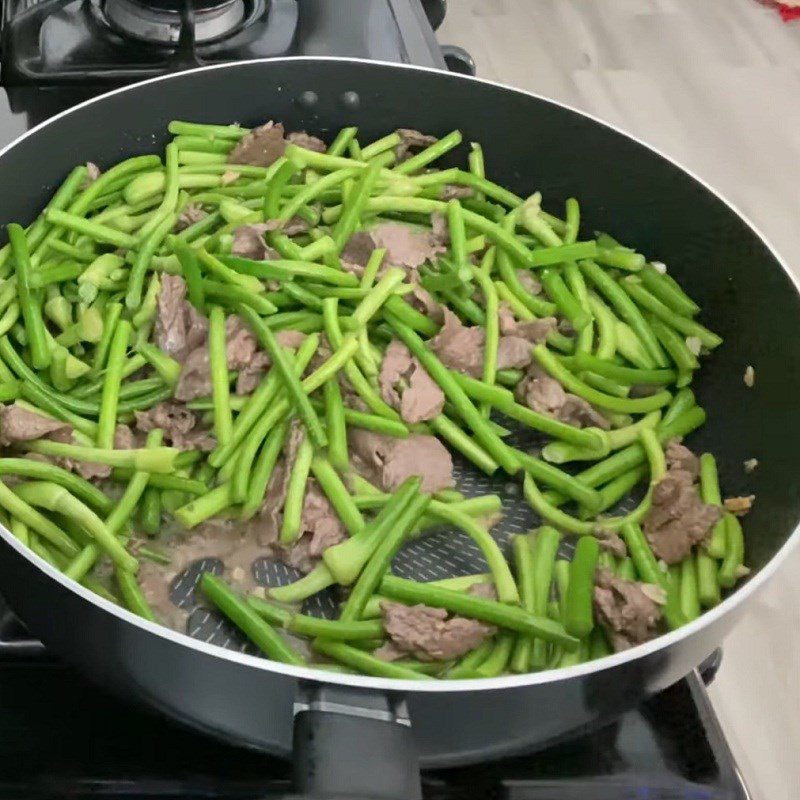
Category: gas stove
[56,53]
[61,736]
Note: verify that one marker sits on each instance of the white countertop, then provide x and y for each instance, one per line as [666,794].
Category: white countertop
[715,84]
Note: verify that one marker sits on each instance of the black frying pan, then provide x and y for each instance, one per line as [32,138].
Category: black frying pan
[346,722]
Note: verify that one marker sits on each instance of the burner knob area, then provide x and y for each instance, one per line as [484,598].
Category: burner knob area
[458,60]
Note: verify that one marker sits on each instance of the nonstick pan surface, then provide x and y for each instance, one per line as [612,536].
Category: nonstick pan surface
[626,188]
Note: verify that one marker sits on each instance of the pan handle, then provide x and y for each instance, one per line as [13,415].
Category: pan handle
[350,742]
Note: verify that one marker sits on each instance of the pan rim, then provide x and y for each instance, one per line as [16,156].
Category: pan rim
[615,660]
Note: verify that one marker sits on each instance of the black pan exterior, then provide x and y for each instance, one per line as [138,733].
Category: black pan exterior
[530,143]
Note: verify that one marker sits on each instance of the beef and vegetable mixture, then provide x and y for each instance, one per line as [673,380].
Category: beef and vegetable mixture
[270,346]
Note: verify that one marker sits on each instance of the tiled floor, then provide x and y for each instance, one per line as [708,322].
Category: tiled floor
[716,85]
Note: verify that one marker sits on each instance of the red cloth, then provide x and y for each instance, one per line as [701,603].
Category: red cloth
[787,12]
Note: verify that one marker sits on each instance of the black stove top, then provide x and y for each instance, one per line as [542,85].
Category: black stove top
[56,53]
[61,736]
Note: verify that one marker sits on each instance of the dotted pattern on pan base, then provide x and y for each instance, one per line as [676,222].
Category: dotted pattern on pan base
[440,553]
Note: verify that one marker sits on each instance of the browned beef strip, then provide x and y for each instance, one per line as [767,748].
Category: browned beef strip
[388,461]
[241,349]
[625,610]
[546,395]
[179,425]
[682,458]
[240,343]
[17,424]
[124,438]
[357,251]
[440,229]
[406,386]
[427,633]
[249,242]
[535,331]
[513,352]
[458,346]
[191,214]
[251,374]
[170,325]
[86,469]
[454,191]
[411,140]
[261,147]
[529,281]
[422,300]
[195,377]
[320,526]
[678,519]
[307,141]
[611,542]
[485,591]
[295,226]
[406,246]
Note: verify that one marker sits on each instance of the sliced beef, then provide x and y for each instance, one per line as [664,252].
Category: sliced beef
[625,609]
[251,374]
[682,458]
[248,241]
[611,542]
[388,461]
[485,591]
[191,214]
[529,281]
[290,338]
[357,251]
[241,350]
[459,346]
[422,300]
[407,246]
[88,470]
[125,438]
[261,147]
[294,226]
[195,377]
[440,229]
[411,140]
[307,141]
[678,519]
[320,528]
[535,331]
[170,325]
[406,386]
[428,634]
[240,343]
[546,395]
[17,424]
[179,425]
[513,352]
[453,191]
